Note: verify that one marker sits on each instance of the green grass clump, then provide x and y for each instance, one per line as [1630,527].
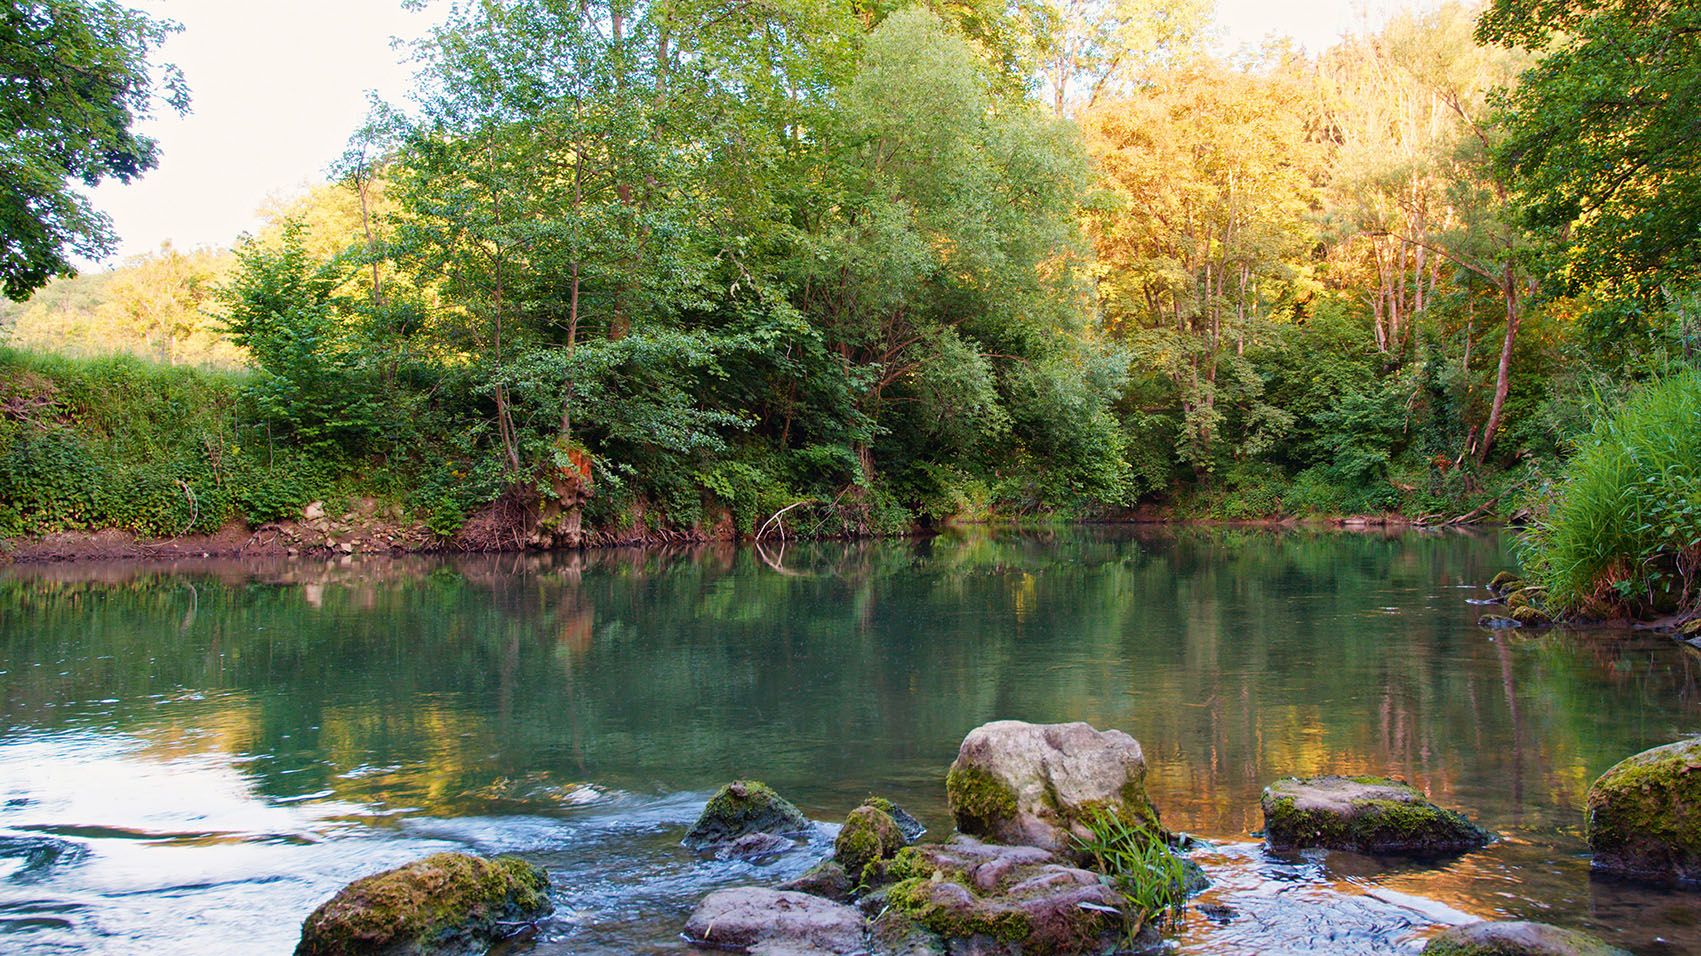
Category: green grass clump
[1624,534]
[1151,877]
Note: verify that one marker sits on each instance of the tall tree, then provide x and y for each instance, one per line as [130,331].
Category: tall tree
[75,81]
[1603,146]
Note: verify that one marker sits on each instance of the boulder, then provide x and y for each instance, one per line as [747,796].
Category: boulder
[1001,898]
[741,808]
[1373,815]
[447,903]
[768,922]
[751,847]
[1035,784]
[869,837]
[1644,815]
[827,880]
[909,826]
[1505,583]
[1528,615]
[1517,939]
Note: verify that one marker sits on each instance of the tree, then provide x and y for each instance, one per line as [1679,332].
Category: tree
[1603,149]
[1208,235]
[75,81]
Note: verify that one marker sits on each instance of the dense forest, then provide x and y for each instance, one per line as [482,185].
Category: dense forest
[690,267]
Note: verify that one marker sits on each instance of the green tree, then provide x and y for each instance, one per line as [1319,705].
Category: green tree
[1604,151]
[75,80]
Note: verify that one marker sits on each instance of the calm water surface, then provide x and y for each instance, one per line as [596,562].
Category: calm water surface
[193,756]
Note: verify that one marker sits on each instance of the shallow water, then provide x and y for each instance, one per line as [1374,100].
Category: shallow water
[193,756]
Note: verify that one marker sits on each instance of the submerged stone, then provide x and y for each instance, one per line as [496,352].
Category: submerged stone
[1497,622]
[767,922]
[447,903]
[1644,816]
[1528,615]
[1036,784]
[1518,939]
[741,808]
[1372,815]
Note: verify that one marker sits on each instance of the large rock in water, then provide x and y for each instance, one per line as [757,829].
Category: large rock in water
[1517,939]
[1364,814]
[1645,815]
[742,808]
[767,922]
[447,903]
[1034,784]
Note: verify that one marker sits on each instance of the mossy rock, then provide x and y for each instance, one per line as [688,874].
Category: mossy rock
[445,903]
[1374,815]
[1527,597]
[826,879]
[982,897]
[1038,784]
[1644,816]
[1530,616]
[1518,939]
[869,837]
[1505,583]
[741,808]
[1691,629]
[1498,622]
[911,828]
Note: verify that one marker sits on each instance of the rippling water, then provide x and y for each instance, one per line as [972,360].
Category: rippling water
[193,756]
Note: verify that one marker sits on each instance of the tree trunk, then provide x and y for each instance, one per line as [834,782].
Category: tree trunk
[1503,377]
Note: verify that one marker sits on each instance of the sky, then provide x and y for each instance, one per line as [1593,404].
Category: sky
[279,84]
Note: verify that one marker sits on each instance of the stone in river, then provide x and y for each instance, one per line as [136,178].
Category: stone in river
[741,808]
[1518,939]
[1373,815]
[766,922]
[1644,816]
[1037,784]
[447,903]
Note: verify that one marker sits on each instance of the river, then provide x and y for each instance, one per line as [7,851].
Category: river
[193,755]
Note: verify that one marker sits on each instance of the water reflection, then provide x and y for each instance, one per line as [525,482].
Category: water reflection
[228,741]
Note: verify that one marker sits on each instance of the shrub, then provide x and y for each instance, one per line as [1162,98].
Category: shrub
[1624,532]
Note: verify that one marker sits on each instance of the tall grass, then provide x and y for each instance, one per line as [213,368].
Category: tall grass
[1151,878]
[1623,535]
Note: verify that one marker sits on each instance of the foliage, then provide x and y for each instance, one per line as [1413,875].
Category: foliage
[1152,878]
[1624,532]
[1603,148]
[77,81]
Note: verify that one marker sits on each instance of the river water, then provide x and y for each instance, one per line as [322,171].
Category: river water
[192,756]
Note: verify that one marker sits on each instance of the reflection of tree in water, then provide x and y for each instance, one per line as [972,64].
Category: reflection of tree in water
[1234,655]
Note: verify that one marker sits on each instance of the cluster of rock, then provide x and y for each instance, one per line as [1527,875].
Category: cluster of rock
[1015,879]
[1009,882]
[1526,604]
[366,527]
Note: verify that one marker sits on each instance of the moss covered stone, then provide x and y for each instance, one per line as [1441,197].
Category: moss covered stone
[445,903]
[1644,815]
[980,802]
[1037,784]
[907,824]
[1364,814]
[1517,939]
[869,837]
[1528,615]
[1505,583]
[741,808]
[1024,898]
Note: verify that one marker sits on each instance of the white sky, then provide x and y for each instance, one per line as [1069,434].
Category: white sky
[279,84]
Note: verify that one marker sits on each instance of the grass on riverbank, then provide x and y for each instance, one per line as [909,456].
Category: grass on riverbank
[1623,537]
[157,451]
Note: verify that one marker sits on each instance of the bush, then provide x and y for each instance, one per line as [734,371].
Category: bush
[1624,532]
